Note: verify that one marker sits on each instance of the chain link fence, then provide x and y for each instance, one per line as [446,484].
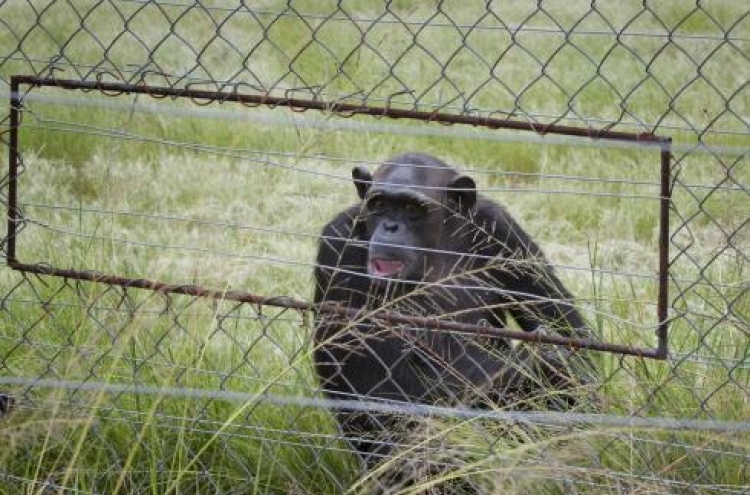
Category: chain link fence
[170,179]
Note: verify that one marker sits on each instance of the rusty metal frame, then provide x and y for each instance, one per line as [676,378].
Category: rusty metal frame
[347,109]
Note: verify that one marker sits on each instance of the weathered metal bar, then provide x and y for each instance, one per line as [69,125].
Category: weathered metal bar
[388,318]
[341,107]
[13,157]
[662,307]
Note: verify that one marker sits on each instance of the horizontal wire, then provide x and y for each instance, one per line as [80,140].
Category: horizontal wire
[248,153]
[271,231]
[262,318]
[629,438]
[329,446]
[238,256]
[241,153]
[218,425]
[510,28]
[87,351]
[63,126]
[441,130]
[226,254]
[294,233]
[716,361]
[529,417]
[463,167]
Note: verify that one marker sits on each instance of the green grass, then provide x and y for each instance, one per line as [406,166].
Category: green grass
[76,186]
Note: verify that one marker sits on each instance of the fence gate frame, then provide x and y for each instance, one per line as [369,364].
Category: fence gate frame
[344,109]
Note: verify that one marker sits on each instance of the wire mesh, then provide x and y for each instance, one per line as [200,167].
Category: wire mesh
[108,388]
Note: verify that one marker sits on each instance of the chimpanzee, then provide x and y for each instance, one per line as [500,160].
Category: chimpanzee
[422,242]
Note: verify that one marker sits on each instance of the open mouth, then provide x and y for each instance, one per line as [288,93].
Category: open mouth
[380,267]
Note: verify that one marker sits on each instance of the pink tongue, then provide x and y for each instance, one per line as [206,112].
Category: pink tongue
[385,268]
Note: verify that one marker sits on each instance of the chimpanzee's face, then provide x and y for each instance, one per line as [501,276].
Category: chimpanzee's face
[404,209]
[402,225]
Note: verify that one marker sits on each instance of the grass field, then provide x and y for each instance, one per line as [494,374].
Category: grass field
[227,197]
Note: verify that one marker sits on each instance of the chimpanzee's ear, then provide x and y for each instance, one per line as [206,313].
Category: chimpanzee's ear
[362,180]
[462,192]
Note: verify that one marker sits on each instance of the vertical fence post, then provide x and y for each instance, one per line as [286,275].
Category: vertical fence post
[665,202]
[13,158]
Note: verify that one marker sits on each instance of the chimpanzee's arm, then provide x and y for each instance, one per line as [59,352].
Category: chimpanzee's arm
[538,297]
[341,263]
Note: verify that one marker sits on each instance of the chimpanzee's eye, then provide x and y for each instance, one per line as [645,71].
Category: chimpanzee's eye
[413,209]
[376,204]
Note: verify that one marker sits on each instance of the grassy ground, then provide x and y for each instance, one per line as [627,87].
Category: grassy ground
[152,204]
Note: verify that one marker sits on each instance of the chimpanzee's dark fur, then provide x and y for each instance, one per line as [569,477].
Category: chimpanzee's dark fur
[473,264]
[7,402]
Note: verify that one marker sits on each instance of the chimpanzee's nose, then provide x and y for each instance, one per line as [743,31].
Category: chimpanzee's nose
[390,227]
